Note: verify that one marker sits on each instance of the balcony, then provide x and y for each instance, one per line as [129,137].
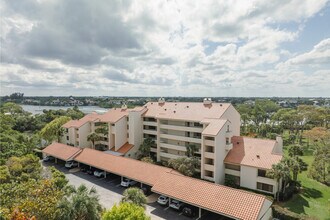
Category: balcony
[181,128]
[150,123]
[229,146]
[209,167]
[153,149]
[209,155]
[181,138]
[173,147]
[153,132]
[232,172]
[209,142]
[209,178]
[266,180]
[170,156]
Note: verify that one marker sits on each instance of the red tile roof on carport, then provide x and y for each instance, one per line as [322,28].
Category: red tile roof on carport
[61,151]
[220,199]
[140,171]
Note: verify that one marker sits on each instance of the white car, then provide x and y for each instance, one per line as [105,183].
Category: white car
[127,182]
[71,164]
[177,205]
[99,173]
[162,200]
[48,158]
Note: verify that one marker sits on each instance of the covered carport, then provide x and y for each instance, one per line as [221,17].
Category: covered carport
[144,173]
[225,201]
[61,152]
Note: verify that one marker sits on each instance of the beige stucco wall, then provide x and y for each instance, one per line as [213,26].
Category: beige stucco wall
[120,133]
[235,118]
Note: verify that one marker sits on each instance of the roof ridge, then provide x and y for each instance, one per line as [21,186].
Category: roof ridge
[216,184]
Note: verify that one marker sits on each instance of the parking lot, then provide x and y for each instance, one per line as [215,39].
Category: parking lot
[110,192]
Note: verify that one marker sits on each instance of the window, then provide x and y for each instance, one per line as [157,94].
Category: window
[67,138]
[77,135]
[232,167]
[209,138]
[265,187]
[67,130]
[262,173]
[227,128]
[227,141]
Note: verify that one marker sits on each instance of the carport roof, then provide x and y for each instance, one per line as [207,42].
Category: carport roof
[140,171]
[224,200]
[61,151]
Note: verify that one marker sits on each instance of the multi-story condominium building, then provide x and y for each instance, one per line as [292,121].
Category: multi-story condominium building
[212,128]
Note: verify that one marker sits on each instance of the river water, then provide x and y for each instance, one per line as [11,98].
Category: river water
[35,109]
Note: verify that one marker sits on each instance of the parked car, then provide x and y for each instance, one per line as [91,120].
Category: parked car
[48,159]
[127,182]
[190,211]
[177,205]
[99,173]
[162,200]
[71,164]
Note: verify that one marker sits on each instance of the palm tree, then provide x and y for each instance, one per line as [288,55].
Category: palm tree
[93,137]
[191,149]
[80,204]
[144,148]
[104,129]
[134,195]
[280,171]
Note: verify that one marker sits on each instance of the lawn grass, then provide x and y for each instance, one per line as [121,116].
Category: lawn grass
[314,198]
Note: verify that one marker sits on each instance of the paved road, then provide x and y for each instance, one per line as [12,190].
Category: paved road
[110,193]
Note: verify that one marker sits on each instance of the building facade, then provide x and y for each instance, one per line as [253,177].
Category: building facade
[211,129]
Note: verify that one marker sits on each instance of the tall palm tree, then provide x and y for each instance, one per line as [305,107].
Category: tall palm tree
[191,149]
[104,129]
[134,195]
[93,137]
[280,171]
[80,204]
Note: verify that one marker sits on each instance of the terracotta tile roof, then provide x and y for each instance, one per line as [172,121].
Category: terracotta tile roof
[214,126]
[61,151]
[192,111]
[224,200]
[253,152]
[123,149]
[130,168]
[78,123]
[112,116]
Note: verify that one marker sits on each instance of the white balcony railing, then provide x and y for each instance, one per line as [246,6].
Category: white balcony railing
[173,147]
[209,155]
[150,123]
[232,172]
[181,128]
[153,132]
[209,167]
[229,146]
[209,142]
[181,138]
[170,156]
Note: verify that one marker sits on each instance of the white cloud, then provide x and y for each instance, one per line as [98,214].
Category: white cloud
[158,47]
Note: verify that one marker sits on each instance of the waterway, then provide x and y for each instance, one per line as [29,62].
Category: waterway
[36,109]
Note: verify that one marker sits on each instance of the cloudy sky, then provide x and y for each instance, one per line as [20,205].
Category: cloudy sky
[165,48]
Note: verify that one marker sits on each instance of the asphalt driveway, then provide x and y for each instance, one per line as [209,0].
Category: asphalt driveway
[110,192]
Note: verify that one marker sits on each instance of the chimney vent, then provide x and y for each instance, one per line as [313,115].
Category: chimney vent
[207,101]
[258,156]
[161,100]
